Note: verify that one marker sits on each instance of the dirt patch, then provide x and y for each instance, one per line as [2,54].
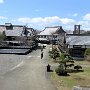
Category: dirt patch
[82,81]
[87,58]
[79,79]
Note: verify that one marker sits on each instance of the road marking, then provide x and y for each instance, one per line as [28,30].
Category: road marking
[17,66]
[33,56]
[29,56]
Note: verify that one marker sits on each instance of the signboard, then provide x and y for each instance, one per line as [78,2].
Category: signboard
[77,46]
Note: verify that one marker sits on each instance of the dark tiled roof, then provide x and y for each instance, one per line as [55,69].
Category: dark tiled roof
[78,39]
[13,32]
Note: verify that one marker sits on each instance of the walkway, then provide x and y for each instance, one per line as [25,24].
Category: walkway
[31,75]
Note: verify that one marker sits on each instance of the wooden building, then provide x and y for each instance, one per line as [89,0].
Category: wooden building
[77,44]
[18,33]
[51,34]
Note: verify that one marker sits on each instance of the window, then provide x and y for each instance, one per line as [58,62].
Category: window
[44,36]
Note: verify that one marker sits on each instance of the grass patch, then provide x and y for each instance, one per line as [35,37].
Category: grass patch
[84,62]
[87,52]
[67,82]
[86,72]
[62,82]
[78,78]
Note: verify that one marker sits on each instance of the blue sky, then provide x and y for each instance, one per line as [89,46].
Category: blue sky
[42,13]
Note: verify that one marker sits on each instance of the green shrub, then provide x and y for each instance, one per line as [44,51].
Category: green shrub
[2,36]
[61,71]
[54,53]
[61,56]
[70,70]
[77,67]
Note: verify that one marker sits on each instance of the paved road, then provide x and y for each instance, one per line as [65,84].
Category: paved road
[29,75]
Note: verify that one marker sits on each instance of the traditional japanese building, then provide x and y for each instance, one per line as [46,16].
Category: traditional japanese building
[50,34]
[77,44]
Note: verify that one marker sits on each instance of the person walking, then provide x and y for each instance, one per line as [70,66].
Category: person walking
[41,55]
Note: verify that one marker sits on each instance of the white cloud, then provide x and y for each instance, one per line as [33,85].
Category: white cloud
[1,1]
[40,22]
[51,19]
[46,20]
[84,23]
[67,21]
[30,20]
[86,17]
[2,17]
[39,19]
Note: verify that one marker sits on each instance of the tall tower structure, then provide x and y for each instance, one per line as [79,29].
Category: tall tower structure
[76,29]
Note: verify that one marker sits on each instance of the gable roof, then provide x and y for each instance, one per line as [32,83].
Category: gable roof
[80,39]
[13,32]
[19,32]
[51,30]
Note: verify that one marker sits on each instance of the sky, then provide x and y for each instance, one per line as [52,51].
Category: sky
[39,14]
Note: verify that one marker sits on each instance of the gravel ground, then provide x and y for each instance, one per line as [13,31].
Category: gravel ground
[32,75]
[9,62]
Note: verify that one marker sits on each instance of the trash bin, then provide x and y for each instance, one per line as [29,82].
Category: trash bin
[48,68]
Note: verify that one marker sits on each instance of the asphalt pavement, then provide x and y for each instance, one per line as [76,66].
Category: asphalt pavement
[30,74]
